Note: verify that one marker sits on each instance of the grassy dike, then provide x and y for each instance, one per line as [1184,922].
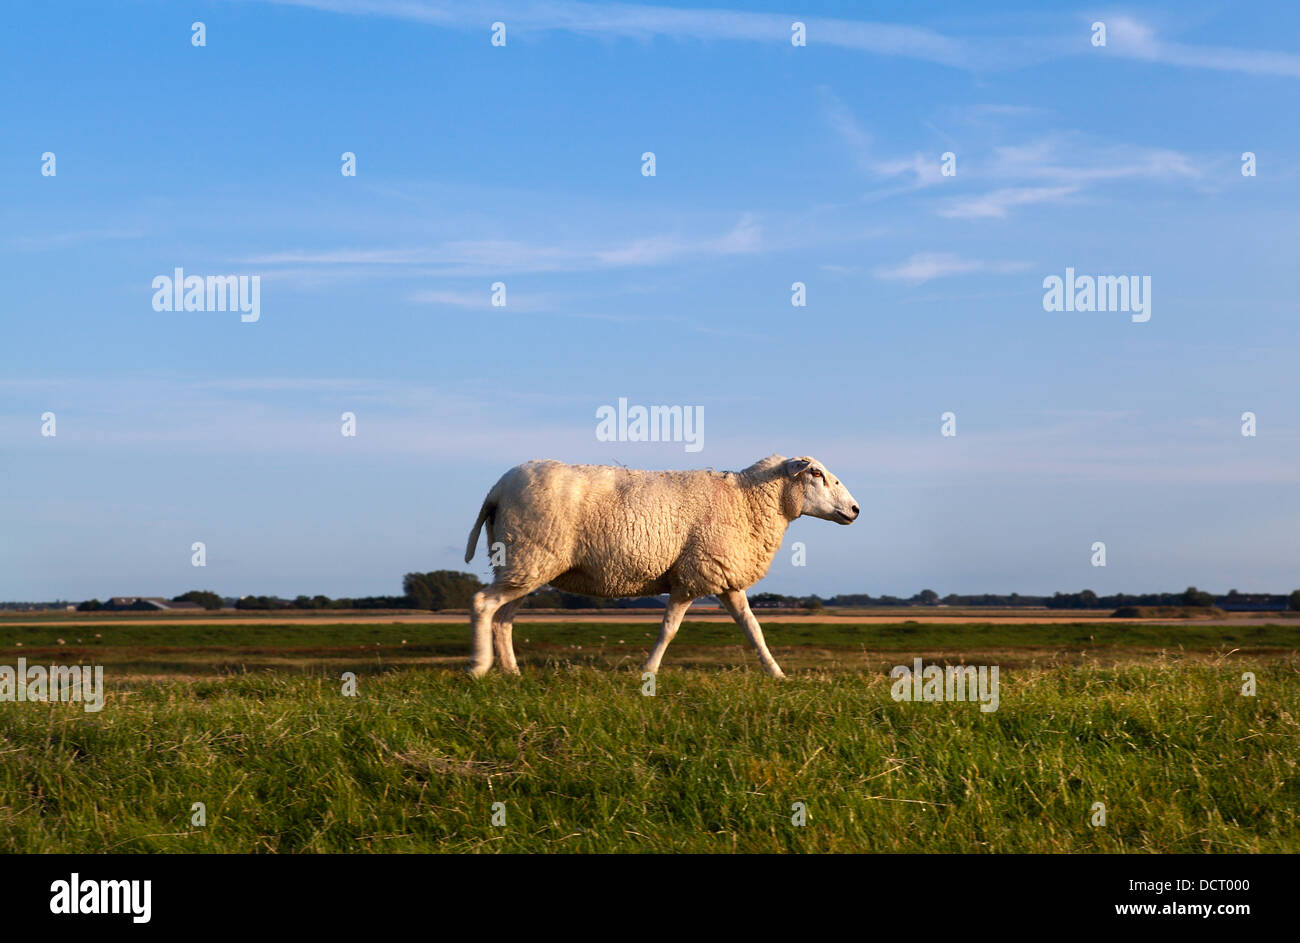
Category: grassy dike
[714,762]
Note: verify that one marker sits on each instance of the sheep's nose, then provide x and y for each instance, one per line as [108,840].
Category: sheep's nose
[855,510]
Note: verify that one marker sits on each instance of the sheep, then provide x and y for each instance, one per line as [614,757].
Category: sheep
[610,531]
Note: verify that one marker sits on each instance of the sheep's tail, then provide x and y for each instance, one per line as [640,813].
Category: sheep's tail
[485,513]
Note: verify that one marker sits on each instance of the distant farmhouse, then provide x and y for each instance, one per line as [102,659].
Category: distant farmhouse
[148,604]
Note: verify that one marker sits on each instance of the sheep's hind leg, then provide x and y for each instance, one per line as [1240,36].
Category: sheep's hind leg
[485,606]
[503,624]
[673,613]
[737,604]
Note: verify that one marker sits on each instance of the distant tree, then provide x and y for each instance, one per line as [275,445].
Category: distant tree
[1294,601]
[640,602]
[548,597]
[254,602]
[1087,599]
[441,589]
[205,598]
[814,604]
[544,598]
[381,602]
[1195,597]
[927,597]
[94,605]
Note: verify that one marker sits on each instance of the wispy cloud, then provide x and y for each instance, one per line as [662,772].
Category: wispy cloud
[846,127]
[1133,39]
[989,111]
[496,427]
[923,169]
[999,202]
[1126,35]
[745,236]
[1062,167]
[454,299]
[629,21]
[493,256]
[63,239]
[925,266]
[1072,160]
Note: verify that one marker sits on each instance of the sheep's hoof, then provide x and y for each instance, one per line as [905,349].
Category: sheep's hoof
[477,671]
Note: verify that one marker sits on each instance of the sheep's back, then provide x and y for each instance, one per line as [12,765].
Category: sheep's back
[621,527]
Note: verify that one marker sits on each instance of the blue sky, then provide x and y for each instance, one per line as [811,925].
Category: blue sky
[774,164]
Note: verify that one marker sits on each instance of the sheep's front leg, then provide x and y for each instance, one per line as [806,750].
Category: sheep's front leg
[673,613]
[737,604]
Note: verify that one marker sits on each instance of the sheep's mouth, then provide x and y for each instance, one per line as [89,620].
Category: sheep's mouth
[842,518]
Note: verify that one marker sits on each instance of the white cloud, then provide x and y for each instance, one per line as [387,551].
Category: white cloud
[499,426]
[924,169]
[1062,166]
[500,256]
[1131,38]
[745,236]
[991,111]
[925,266]
[1063,163]
[455,299]
[59,240]
[842,122]
[643,23]
[1072,160]
[997,203]
[1126,36]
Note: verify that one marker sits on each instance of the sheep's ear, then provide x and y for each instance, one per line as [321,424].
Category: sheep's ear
[796,467]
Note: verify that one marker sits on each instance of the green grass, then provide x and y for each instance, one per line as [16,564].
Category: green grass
[712,763]
[453,638]
[156,652]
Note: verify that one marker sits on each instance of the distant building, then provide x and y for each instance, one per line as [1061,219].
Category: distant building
[148,604]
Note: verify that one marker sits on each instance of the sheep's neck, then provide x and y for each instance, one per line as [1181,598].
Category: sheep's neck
[770,515]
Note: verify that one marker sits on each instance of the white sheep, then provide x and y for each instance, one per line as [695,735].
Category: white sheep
[609,531]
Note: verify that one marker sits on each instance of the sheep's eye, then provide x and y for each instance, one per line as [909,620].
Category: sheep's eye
[816,473]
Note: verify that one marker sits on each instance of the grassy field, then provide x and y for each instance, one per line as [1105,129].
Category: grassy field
[251,721]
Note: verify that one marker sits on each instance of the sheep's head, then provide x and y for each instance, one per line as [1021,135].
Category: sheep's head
[815,492]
